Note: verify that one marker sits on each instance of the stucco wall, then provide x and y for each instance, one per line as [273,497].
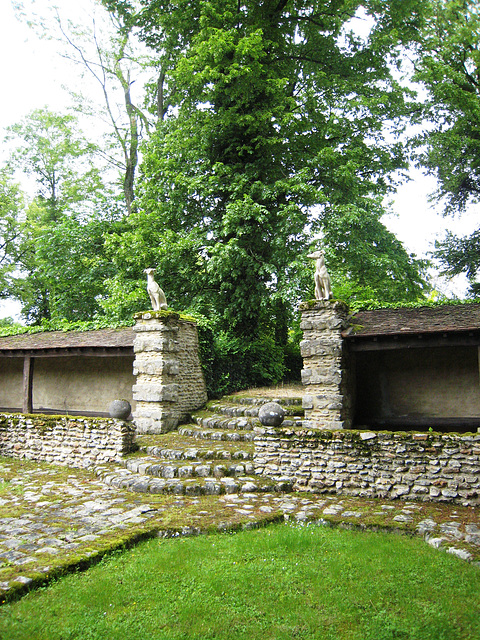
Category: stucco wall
[438,382]
[63,384]
[11,383]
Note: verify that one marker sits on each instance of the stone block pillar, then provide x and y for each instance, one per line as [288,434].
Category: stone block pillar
[170,382]
[326,377]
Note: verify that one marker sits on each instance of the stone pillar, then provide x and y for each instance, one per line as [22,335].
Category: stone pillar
[170,380]
[327,399]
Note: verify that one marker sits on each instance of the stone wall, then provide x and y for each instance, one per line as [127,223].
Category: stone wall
[170,382]
[326,373]
[76,442]
[416,466]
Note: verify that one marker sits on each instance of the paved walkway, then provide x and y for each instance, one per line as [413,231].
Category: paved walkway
[52,518]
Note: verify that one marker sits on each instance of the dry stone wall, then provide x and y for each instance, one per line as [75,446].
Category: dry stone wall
[327,399]
[170,382]
[427,467]
[76,442]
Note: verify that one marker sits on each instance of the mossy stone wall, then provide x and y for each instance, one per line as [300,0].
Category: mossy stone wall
[414,466]
[76,442]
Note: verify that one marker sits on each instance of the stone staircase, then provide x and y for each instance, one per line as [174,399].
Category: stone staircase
[211,455]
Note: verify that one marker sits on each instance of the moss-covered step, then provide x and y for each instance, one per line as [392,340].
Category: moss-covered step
[189,469]
[259,400]
[175,446]
[236,410]
[126,479]
[217,434]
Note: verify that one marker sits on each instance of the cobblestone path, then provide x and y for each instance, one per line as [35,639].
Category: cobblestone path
[52,518]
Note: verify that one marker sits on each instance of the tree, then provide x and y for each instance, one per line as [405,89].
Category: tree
[11,205]
[448,65]
[112,67]
[61,161]
[56,261]
[105,49]
[279,126]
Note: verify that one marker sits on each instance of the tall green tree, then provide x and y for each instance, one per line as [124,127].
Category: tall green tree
[57,264]
[448,65]
[11,207]
[50,149]
[280,120]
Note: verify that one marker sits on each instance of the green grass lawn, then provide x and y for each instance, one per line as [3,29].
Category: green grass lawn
[281,582]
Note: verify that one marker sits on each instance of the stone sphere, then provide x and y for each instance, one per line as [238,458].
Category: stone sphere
[271,414]
[120,409]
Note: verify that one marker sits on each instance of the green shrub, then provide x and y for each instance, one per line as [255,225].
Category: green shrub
[231,363]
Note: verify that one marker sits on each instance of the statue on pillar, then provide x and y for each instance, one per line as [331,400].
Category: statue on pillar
[323,290]
[156,294]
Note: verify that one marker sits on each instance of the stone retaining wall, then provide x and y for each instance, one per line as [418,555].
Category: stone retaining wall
[170,382]
[76,442]
[427,467]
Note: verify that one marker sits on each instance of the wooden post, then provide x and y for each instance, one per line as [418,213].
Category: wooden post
[28,363]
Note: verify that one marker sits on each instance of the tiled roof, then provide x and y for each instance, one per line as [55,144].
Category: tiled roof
[385,322]
[99,338]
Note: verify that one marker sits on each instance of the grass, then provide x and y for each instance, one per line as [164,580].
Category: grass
[280,582]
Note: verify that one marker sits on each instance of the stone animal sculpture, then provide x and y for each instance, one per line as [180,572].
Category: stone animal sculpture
[323,289]
[156,294]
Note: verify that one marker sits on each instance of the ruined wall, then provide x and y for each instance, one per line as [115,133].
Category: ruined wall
[417,466]
[170,381]
[75,442]
[326,374]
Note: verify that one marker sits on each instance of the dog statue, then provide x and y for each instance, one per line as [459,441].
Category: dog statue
[156,294]
[323,290]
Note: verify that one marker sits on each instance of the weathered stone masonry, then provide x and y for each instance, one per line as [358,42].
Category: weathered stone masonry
[326,375]
[75,442]
[418,466]
[170,381]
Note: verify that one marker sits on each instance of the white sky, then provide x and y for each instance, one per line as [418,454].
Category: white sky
[32,77]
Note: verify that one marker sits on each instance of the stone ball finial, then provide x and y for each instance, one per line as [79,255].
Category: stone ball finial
[120,409]
[271,414]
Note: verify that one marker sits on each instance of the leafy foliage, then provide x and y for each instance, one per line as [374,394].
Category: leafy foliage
[276,136]
[278,129]
[56,261]
[449,67]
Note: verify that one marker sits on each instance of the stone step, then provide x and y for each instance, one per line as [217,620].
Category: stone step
[217,434]
[195,453]
[196,469]
[126,479]
[234,410]
[174,446]
[212,421]
[285,402]
[243,423]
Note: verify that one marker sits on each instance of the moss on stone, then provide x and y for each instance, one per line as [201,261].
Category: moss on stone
[168,315]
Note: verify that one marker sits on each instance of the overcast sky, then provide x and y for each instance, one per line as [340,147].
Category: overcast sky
[32,77]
